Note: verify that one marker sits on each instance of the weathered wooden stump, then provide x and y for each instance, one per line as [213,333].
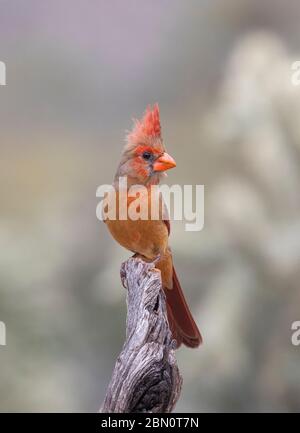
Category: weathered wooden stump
[146,377]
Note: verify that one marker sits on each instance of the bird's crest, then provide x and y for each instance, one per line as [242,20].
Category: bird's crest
[146,128]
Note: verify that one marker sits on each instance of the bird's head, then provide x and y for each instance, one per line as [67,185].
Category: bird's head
[144,159]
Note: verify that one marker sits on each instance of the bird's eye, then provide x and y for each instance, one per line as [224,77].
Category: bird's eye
[147,155]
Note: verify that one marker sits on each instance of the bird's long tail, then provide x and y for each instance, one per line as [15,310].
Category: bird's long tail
[182,324]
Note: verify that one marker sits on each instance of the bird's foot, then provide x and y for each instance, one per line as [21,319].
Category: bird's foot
[156,259]
[146,259]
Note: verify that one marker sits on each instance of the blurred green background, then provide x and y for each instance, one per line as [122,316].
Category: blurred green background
[77,72]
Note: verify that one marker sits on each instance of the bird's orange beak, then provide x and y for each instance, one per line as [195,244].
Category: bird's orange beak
[164,162]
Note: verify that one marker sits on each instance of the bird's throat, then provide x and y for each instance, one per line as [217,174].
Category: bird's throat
[120,182]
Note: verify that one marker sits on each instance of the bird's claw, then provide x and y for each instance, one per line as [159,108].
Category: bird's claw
[157,259]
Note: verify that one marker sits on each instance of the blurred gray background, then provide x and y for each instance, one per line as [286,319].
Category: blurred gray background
[77,72]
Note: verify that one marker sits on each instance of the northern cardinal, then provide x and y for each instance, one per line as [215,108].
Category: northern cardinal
[143,162]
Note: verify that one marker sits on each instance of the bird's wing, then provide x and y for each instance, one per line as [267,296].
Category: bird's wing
[167,222]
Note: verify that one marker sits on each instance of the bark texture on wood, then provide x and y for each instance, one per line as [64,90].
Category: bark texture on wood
[146,377]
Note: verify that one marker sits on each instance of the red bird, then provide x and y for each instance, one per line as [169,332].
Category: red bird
[143,162]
